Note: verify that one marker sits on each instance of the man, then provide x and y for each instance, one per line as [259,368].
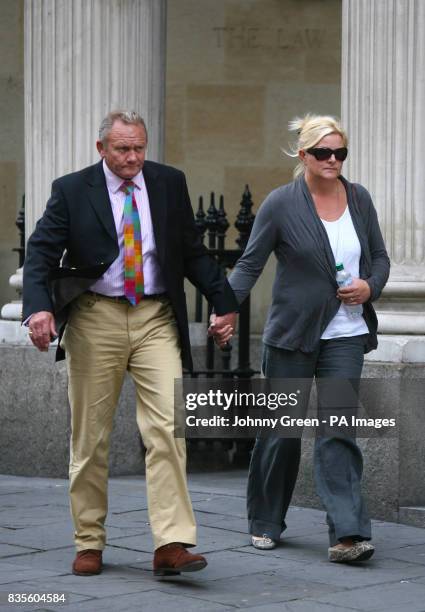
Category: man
[108,258]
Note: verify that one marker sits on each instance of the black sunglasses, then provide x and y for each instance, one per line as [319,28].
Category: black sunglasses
[322,153]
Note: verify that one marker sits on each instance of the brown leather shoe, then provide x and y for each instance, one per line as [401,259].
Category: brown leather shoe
[173,558]
[87,562]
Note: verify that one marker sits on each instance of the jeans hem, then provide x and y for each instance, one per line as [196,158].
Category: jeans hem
[356,534]
[259,527]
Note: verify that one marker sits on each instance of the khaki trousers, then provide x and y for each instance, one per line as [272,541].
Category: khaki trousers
[103,339]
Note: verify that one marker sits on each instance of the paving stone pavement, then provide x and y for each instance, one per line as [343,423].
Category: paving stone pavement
[36,553]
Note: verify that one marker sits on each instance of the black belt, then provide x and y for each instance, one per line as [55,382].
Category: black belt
[122,299]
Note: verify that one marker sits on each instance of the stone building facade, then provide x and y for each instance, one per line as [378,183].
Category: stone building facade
[217,82]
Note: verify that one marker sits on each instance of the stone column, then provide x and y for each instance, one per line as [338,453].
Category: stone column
[383,101]
[82,59]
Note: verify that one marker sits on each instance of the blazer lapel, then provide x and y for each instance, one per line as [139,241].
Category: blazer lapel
[158,207]
[99,199]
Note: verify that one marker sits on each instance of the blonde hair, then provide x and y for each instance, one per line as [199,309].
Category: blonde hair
[311,129]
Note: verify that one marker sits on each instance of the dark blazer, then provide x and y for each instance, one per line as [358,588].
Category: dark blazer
[75,242]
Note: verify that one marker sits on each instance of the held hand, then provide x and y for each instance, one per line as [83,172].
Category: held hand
[222,328]
[42,329]
[356,293]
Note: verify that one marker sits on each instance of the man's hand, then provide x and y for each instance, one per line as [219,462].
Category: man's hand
[222,327]
[356,293]
[42,329]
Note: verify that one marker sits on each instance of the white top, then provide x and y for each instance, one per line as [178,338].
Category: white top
[346,249]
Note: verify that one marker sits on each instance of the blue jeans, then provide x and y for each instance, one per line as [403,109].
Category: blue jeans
[338,463]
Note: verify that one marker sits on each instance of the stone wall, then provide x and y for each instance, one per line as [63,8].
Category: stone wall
[237,72]
[34,433]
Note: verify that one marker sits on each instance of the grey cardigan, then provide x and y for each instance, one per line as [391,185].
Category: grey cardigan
[304,290]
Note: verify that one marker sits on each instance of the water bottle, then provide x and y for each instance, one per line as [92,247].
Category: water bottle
[344,279]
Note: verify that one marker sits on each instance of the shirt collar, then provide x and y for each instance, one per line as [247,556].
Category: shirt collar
[114,182]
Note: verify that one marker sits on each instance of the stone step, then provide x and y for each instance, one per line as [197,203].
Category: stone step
[412,515]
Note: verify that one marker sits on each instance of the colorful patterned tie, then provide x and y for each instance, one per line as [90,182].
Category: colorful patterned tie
[133,260]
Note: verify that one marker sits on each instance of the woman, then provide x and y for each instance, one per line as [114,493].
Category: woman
[312,224]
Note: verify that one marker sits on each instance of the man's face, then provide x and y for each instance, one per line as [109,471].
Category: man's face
[124,149]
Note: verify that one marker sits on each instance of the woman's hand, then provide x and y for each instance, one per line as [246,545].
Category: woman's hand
[356,293]
[222,328]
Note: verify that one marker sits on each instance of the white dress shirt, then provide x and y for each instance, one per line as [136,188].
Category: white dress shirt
[112,282]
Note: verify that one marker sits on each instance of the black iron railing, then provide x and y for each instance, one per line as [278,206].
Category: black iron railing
[213,226]
[20,224]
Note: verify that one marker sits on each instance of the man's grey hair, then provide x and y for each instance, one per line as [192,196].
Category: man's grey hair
[126,116]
